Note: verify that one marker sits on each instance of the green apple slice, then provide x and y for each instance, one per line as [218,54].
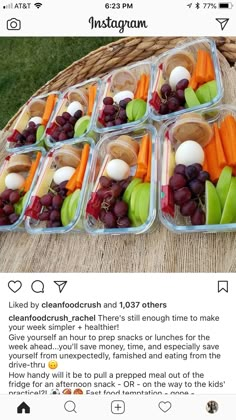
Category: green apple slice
[223,184]
[213,206]
[81,126]
[191,98]
[133,208]
[127,194]
[73,204]
[229,211]
[212,85]
[65,220]
[203,93]
[144,201]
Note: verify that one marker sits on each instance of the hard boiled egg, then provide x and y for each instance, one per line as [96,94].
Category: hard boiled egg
[14,181]
[188,153]
[74,107]
[63,174]
[117,169]
[36,120]
[123,95]
[177,74]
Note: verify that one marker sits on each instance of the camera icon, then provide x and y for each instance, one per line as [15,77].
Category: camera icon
[13,24]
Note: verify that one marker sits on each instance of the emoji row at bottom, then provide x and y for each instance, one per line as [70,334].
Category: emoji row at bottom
[67,391]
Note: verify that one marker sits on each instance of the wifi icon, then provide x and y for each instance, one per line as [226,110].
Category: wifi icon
[38,5]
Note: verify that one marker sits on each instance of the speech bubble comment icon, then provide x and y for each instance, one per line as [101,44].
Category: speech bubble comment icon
[37,286]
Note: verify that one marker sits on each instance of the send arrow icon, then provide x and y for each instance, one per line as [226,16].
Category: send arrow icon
[61,285]
[223,22]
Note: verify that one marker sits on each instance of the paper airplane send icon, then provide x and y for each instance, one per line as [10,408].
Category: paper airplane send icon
[61,285]
[223,22]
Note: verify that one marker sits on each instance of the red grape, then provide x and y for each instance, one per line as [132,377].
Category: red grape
[60,120]
[102,215]
[123,222]
[182,84]
[124,102]
[78,114]
[108,100]
[180,96]
[68,127]
[72,121]
[45,215]
[120,209]
[6,194]
[177,181]
[197,187]
[57,201]
[104,192]
[163,109]
[173,104]
[191,172]
[109,220]
[46,200]
[203,176]
[8,209]
[66,115]
[109,110]
[55,216]
[105,182]
[110,124]
[188,208]
[182,195]
[14,197]
[116,190]
[180,169]
[165,90]
[13,218]
[4,221]
[118,121]
[198,166]
[62,136]
[198,217]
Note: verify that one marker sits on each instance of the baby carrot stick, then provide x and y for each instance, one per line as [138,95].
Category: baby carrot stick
[205,165]
[210,73]
[32,172]
[227,143]
[231,131]
[142,161]
[146,86]
[193,83]
[212,162]
[83,164]
[137,90]
[71,184]
[201,66]
[148,175]
[141,89]
[219,148]
[92,90]
[50,103]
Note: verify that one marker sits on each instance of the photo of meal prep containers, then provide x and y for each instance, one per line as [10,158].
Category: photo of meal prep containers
[149,141]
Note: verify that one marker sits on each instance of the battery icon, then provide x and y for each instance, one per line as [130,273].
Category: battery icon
[225,5]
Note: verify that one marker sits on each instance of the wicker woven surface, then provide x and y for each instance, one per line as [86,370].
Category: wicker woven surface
[160,251]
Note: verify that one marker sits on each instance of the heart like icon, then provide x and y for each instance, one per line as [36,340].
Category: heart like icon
[165,406]
[15,286]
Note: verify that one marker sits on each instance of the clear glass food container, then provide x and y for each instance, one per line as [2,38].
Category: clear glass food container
[169,214]
[84,97]
[24,164]
[40,109]
[66,156]
[185,55]
[134,81]
[100,159]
